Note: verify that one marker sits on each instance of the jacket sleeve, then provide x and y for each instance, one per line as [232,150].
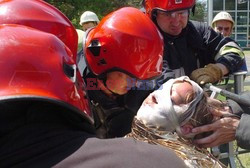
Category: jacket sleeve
[167,74]
[243,131]
[224,50]
[230,54]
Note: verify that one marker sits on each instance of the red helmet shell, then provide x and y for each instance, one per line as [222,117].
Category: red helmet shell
[168,5]
[38,65]
[42,16]
[128,41]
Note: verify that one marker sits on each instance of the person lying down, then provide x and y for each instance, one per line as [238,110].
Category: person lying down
[170,113]
[179,105]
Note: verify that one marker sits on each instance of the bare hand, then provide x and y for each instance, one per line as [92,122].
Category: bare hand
[223,130]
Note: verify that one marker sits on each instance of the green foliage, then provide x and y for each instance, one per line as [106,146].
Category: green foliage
[199,12]
[74,8]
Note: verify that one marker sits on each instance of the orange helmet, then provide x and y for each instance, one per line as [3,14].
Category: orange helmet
[42,16]
[127,41]
[37,66]
[168,5]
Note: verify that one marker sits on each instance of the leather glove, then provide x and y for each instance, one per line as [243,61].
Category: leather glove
[209,74]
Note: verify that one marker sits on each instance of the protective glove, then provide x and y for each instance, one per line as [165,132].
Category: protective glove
[209,74]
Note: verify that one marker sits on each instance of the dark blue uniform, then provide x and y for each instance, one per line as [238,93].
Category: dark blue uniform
[38,134]
[199,45]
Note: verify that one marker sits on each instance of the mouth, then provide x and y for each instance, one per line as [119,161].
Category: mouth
[176,28]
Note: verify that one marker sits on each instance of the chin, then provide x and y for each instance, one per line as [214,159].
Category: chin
[185,136]
[122,92]
[175,33]
[188,136]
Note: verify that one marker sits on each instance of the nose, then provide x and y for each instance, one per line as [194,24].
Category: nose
[175,21]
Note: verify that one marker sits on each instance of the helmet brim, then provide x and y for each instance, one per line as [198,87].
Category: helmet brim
[41,99]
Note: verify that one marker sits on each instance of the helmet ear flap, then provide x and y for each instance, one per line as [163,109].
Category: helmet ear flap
[153,14]
[95,47]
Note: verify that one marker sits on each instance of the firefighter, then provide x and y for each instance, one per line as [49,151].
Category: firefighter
[121,53]
[223,23]
[192,48]
[44,114]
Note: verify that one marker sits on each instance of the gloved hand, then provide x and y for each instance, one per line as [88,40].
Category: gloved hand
[209,74]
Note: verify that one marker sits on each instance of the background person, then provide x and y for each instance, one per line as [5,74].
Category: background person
[88,19]
[223,23]
[81,35]
[192,48]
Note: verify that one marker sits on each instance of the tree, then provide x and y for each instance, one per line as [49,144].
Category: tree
[74,8]
[200,9]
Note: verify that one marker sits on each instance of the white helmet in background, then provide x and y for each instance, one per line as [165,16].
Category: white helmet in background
[88,16]
[222,16]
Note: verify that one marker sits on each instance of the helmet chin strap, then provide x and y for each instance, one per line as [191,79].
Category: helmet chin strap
[193,10]
[104,81]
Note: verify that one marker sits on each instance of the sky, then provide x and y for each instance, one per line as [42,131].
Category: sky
[202,0]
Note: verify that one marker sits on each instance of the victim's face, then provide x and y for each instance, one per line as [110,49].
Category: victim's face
[182,93]
[172,22]
[157,112]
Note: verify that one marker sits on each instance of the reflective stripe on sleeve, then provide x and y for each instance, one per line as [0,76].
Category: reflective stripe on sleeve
[230,47]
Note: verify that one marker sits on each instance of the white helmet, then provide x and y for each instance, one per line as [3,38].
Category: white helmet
[223,16]
[88,16]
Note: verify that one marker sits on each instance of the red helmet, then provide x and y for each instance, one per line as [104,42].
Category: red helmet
[42,16]
[168,5]
[37,66]
[127,41]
